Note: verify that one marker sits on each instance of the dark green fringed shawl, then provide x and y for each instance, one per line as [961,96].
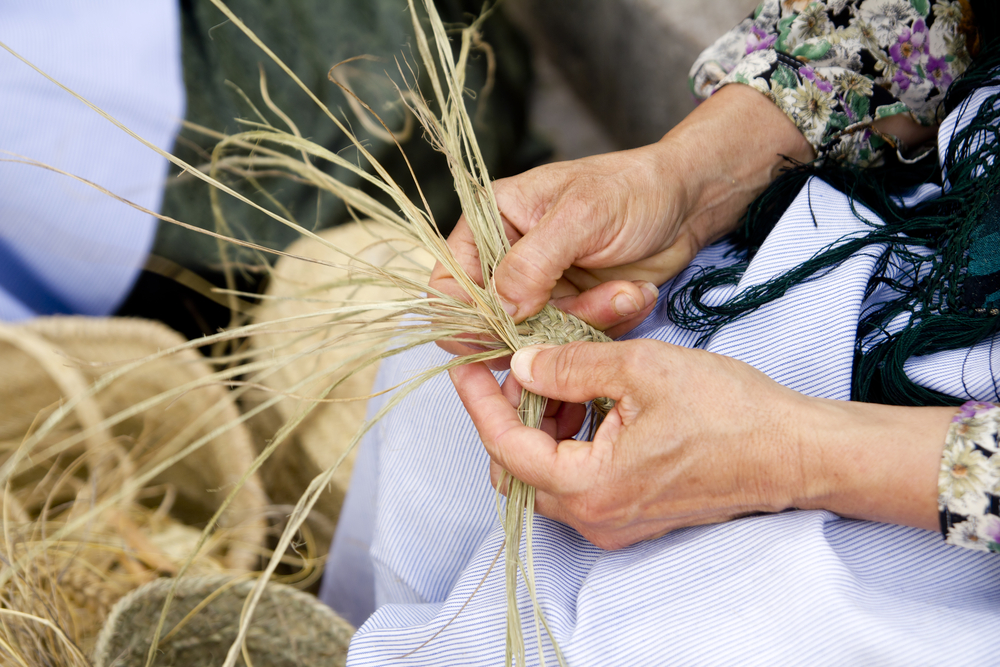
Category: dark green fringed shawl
[950,295]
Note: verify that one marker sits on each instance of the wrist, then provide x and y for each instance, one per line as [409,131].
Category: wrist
[725,153]
[872,462]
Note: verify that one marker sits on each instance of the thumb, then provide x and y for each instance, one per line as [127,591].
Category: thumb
[575,372]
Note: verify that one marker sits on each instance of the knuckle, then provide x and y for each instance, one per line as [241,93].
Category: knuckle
[637,359]
[527,263]
[568,360]
[631,361]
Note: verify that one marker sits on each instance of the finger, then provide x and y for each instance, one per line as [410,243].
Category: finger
[577,372]
[462,244]
[442,280]
[612,304]
[468,345]
[464,344]
[464,250]
[528,273]
[512,390]
[529,454]
[496,472]
[561,420]
[497,365]
[657,268]
[546,504]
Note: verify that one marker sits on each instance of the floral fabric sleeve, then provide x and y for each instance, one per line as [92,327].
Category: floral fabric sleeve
[969,479]
[835,66]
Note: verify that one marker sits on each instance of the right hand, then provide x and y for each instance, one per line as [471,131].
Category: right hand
[696,438]
[595,235]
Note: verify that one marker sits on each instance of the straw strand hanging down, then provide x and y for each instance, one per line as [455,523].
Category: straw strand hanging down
[401,323]
[454,135]
[451,131]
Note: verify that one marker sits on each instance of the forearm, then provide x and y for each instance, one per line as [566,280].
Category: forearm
[874,462]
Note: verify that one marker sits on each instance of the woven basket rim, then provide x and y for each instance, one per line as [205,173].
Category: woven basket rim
[207,583]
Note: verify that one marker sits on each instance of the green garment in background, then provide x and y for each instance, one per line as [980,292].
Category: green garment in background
[311,36]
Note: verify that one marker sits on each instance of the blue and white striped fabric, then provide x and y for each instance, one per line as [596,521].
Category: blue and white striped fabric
[419,528]
[66,248]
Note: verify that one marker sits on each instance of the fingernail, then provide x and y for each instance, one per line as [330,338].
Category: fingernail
[650,291]
[520,363]
[508,307]
[624,304]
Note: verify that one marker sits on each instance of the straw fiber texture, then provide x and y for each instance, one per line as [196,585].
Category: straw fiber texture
[50,359]
[289,629]
[298,288]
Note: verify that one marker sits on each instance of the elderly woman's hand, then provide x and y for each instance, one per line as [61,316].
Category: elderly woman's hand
[569,221]
[595,235]
[698,438]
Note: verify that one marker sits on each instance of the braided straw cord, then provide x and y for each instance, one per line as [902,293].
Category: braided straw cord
[553,326]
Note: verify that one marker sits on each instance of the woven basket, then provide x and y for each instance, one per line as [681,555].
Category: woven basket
[299,288]
[289,628]
[49,359]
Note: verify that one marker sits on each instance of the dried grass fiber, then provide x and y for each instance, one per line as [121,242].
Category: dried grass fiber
[380,327]
[77,351]
[298,288]
[289,629]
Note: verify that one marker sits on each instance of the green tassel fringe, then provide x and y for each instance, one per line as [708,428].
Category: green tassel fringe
[932,300]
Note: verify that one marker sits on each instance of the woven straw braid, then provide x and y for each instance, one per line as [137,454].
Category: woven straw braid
[553,326]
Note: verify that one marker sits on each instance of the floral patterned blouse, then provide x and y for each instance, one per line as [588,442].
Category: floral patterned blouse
[835,66]
[969,479]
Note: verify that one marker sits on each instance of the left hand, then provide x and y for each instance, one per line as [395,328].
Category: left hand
[694,437]
[697,438]
[594,236]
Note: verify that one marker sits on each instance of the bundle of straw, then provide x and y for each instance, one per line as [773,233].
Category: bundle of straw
[370,331]
[95,506]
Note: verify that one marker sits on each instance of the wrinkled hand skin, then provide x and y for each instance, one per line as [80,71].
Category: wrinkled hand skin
[568,222]
[672,452]
[697,438]
[594,236]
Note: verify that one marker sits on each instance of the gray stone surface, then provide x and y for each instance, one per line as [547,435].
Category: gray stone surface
[627,60]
